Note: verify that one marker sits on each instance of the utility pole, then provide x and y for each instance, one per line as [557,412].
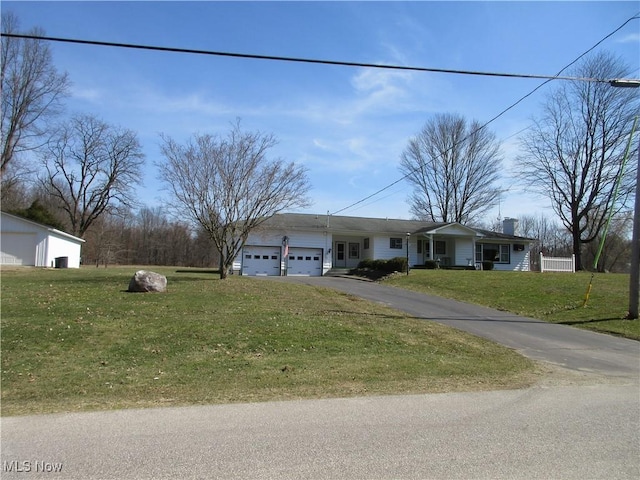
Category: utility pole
[634,277]
[634,280]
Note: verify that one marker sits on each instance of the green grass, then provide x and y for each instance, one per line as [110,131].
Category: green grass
[553,297]
[74,339]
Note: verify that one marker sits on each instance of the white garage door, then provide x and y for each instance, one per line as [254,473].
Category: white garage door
[18,249]
[261,260]
[305,261]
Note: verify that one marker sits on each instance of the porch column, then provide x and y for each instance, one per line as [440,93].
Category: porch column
[431,247]
[473,253]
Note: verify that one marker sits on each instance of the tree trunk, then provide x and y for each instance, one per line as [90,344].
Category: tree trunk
[223,268]
[577,247]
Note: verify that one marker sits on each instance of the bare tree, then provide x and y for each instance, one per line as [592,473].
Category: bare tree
[616,252]
[573,154]
[452,165]
[229,186]
[32,90]
[91,169]
[551,238]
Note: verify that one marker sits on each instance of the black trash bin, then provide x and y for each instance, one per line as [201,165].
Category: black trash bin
[62,262]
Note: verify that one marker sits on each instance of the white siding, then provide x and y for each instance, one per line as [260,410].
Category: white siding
[28,243]
[464,254]
[519,261]
[381,249]
[57,246]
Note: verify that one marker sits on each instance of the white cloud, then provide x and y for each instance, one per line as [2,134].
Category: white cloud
[630,38]
[92,95]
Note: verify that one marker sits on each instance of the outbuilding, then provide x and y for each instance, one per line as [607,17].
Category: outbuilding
[27,243]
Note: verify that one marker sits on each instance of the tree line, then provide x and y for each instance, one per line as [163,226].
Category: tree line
[79,173]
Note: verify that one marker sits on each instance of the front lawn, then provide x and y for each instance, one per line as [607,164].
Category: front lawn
[553,297]
[74,339]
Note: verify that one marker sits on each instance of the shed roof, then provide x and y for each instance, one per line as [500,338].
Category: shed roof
[49,229]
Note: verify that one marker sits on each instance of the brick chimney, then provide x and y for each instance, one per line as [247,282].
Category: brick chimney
[510,226]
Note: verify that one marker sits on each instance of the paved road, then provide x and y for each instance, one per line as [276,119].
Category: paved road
[589,430]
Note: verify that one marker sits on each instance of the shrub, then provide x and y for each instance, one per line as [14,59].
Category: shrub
[487,265]
[379,265]
[397,264]
[366,264]
[430,265]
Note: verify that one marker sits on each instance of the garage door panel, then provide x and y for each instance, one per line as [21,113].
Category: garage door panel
[304,262]
[261,261]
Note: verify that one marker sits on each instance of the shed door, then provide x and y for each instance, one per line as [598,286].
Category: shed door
[18,249]
[261,261]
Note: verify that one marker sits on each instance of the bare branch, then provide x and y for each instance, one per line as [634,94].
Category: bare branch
[452,166]
[574,152]
[228,186]
[32,91]
[92,168]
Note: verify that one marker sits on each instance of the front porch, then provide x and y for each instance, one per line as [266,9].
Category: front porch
[419,248]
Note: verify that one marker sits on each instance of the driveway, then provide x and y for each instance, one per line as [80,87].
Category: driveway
[570,430]
[561,345]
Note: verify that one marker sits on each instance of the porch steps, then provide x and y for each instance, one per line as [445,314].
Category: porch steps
[337,272]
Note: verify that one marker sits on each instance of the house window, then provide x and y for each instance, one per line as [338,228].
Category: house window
[354,250]
[419,246]
[395,243]
[427,248]
[504,254]
[493,253]
[366,243]
[441,247]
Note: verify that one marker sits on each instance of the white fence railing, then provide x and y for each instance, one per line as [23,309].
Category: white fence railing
[558,264]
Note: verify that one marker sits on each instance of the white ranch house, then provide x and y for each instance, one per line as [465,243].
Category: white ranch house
[313,245]
[27,243]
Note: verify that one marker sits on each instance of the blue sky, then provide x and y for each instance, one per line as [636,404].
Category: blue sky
[347,126]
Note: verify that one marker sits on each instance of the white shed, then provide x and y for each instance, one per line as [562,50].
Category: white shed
[23,242]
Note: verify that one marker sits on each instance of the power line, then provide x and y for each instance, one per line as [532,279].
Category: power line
[299,59]
[549,79]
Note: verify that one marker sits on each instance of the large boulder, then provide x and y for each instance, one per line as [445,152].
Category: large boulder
[144,281]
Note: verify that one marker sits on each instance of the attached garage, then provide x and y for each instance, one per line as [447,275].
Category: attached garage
[304,261]
[263,261]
